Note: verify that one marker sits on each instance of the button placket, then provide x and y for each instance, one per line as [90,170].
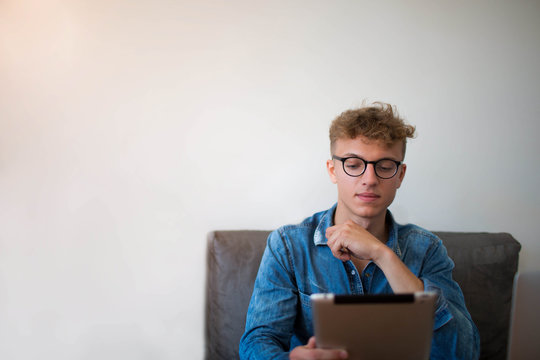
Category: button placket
[367,276]
[354,278]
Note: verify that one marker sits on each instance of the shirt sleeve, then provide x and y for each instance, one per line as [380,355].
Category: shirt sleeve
[455,335]
[272,309]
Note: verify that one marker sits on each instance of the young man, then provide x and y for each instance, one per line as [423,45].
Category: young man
[355,247]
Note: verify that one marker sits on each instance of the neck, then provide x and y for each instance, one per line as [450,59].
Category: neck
[376,226]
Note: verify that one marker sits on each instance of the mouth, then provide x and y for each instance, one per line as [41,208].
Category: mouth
[368,196]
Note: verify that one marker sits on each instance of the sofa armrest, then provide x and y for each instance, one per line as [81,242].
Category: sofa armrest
[486,264]
[233,259]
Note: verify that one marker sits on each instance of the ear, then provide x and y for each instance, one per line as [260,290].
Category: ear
[401,174]
[331,170]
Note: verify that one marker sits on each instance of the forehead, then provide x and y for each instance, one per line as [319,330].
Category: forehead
[368,149]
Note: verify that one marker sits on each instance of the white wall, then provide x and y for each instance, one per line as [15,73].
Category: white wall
[129,129]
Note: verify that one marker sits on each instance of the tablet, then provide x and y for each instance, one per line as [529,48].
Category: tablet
[373,327]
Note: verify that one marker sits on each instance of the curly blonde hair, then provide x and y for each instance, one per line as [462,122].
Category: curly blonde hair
[378,121]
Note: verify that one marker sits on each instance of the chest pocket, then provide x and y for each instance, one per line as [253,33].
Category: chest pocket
[305,314]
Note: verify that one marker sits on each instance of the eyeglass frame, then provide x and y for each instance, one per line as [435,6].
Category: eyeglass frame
[366,163]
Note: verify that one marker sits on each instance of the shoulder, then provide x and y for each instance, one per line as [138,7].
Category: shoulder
[415,231]
[301,232]
[416,236]
[419,244]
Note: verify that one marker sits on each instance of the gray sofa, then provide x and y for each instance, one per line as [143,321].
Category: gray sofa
[485,267]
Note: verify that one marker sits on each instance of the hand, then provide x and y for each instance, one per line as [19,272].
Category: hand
[350,239]
[310,351]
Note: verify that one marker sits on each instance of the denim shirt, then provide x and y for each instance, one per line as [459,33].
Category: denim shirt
[297,263]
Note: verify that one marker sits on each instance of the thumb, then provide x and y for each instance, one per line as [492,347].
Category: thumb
[311,343]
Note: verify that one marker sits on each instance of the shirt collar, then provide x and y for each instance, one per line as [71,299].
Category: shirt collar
[327,220]
[392,242]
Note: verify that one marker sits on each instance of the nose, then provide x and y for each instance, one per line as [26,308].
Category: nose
[369,177]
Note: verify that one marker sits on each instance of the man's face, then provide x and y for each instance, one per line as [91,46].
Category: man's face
[367,196]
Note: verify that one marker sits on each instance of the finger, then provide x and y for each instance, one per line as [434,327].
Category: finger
[336,244]
[336,241]
[331,238]
[322,354]
[311,343]
[330,231]
[343,256]
[340,252]
[334,232]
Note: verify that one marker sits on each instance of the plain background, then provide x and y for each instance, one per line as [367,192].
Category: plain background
[130,129]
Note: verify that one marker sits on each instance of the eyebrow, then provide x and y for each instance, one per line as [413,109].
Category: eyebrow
[358,156]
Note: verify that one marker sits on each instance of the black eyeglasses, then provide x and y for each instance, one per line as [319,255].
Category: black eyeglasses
[355,166]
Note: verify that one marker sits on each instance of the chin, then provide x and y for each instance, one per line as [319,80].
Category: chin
[366,212]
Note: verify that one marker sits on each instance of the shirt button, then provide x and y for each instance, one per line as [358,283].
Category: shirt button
[353,272]
[367,275]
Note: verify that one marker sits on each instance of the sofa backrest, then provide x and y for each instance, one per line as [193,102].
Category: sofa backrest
[485,267]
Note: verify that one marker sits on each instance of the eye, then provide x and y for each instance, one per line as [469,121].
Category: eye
[353,163]
[354,166]
[386,166]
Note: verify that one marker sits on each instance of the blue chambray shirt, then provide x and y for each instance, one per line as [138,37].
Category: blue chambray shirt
[297,263]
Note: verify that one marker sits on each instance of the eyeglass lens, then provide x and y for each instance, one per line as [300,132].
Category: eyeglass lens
[383,168]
